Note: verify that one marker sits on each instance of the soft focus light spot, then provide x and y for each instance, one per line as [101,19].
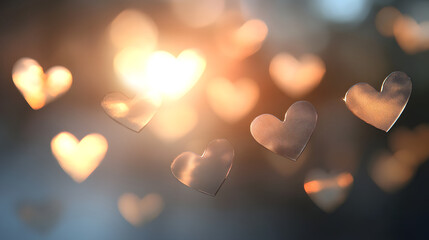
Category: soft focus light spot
[411,36]
[232,100]
[174,122]
[37,87]
[343,11]
[198,13]
[130,65]
[297,77]
[79,159]
[140,211]
[132,28]
[385,20]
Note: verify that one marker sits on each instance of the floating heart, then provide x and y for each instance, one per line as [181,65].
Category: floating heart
[79,159]
[287,138]
[328,191]
[41,216]
[391,172]
[232,101]
[380,109]
[297,78]
[37,87]
[208,172]
[140,211]
[411,36]
[415,143]
[132,113]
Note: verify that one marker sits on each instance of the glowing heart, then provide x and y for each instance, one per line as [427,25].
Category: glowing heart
[232,101]
[411,36]
[328,190]
[185,119]
[391,172]
[160,71]
[297,77]
[287,138]
[208,172]
[380,109]
[132,113]
[37,87]
[41,216]
[140,211]
[79,159]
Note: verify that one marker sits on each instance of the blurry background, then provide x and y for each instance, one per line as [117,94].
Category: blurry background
[264,196]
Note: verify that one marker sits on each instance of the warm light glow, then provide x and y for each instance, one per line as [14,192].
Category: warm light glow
[160,71]
[297,77]
[312,186]
[385,20]
[411,36]
[132,28]
[198,13]
[79,159]
[37,87]
[232,100]
[140,211]
[174,122]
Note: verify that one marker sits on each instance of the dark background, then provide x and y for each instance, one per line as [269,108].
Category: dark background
[256,201]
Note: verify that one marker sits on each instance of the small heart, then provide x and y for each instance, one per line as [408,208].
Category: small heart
[327,190]
[231,101]
[132,113]
[380,109]
[411,36]
[37,87]
[287,138]
[41,216]
[297,77]
[414,142]
[208,172]
[140,211]
[79,159]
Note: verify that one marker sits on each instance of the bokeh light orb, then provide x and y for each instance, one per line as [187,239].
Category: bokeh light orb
[343,11]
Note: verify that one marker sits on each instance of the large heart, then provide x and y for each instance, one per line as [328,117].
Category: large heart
[37,87]
[79,159]
[208,172]
[380,109]
[42,216]
[232,100]
[287,138]
[327,190]
[132,113]
[297,77]
[140,211]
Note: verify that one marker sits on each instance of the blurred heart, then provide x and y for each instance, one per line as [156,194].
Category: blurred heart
[37,87]
[140,211]
[287,138]
[327,190]
[231,101]
[297,77]
[208,172]
[380,109]
[39,215]
[411,36]
[132,113]
[414,142]
[79,159]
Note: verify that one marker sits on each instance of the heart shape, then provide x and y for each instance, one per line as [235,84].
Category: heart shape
[231,101]
[297,77]
[380,109]
[134,113]
[40,215]
[287,138]
[37,87]
[79,159]
[208,172]
[414,142]
[140,211]
[411,36]
[327,190]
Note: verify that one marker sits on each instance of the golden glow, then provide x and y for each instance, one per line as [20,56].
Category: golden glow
[132,28]
[174,122]
[37,87]
[140,211]
[232,100]
[297,77]
[79,159]
[198,13]
[160,71]
[343,180]
[411,36]
[385,20]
